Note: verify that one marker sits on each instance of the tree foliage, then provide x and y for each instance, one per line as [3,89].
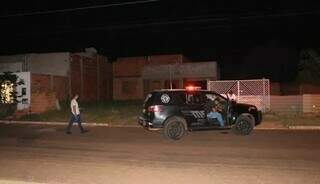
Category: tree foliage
[309,66]
[12,80]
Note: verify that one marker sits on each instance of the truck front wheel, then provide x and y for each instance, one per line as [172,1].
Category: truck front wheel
[243,126]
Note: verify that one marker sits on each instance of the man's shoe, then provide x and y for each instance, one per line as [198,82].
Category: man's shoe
[68,132]
[84,131]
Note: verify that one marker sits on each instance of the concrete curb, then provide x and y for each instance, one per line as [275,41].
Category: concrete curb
[65,124]
[304,127]
[271,128]
[137,126]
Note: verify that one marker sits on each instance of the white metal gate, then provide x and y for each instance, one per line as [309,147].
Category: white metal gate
[255,92]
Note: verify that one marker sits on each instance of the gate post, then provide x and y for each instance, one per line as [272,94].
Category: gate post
[264,95]
[238,85]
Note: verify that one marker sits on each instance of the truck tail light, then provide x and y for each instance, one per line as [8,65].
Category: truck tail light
[155,108]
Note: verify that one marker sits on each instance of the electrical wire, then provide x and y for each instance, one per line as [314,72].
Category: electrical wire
[222,22]
[78,9]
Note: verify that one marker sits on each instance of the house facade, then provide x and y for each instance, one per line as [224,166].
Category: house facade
[57,76]
[134,77]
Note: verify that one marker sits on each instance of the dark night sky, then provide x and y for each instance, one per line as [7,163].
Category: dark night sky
[249,39]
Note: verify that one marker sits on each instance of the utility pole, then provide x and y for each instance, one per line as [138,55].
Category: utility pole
[170,76]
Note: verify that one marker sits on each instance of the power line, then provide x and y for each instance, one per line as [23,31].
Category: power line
[200,21]
[78,9]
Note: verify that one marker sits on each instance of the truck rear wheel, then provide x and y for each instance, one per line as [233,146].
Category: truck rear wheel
[243,126]
[174,128]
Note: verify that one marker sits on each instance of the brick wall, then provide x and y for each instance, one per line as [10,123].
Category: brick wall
[60,87]
[127,88]
[128,71]
[75,74]
[105,78]
[42,101]
[129,66]
[133,66]
[40,83]
[91,77]
[166,59]
[45,90]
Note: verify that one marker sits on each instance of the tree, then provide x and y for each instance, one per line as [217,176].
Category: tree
[8,94]
[309,67]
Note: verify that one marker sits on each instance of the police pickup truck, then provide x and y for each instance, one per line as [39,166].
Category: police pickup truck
[179,110]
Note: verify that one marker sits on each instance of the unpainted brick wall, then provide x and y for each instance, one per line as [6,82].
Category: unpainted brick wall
[42,101]
[105,78]
[45,83]
[129,66]
[45,90]
[166,59]
[128,88]
[91,77]
[60,87]
[75,74]
[40,82]
[133,66]
[128,71]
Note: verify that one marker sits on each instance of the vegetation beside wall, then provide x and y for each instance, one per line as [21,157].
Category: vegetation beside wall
[113,112]
[8,95]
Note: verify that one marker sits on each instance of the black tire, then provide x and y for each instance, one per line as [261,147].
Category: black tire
[174,128]
[243,126]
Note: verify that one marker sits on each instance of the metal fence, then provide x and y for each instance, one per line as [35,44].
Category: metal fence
[256,92]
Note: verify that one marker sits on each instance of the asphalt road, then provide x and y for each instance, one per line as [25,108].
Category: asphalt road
[44,154]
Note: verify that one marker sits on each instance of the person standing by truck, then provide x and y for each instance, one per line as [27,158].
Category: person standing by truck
[75,115]
[232,96]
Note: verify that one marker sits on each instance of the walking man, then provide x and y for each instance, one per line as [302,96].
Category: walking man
[75,115]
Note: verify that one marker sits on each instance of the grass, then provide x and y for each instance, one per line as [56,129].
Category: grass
[126,113]
[115,112]
[293,119]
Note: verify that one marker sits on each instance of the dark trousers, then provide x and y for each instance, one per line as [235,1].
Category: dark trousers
[75,118]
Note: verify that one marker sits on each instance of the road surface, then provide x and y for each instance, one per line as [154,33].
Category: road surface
[45,154]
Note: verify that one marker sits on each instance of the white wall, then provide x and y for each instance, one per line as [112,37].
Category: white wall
[46,63]
[25,76]
[13,63]
[49,63]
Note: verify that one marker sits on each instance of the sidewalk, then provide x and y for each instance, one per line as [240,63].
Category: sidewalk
[268,125]
[66,123]
[274,125]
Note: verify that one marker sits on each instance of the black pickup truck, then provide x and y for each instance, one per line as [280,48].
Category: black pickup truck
[179,110]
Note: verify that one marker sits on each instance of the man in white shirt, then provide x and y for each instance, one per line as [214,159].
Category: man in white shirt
[75,115]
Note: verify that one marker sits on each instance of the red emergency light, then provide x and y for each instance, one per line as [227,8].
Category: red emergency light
[192,88]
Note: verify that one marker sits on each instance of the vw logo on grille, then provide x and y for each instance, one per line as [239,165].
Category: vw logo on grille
[165,98]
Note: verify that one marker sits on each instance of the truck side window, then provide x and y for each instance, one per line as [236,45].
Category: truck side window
[194,98]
